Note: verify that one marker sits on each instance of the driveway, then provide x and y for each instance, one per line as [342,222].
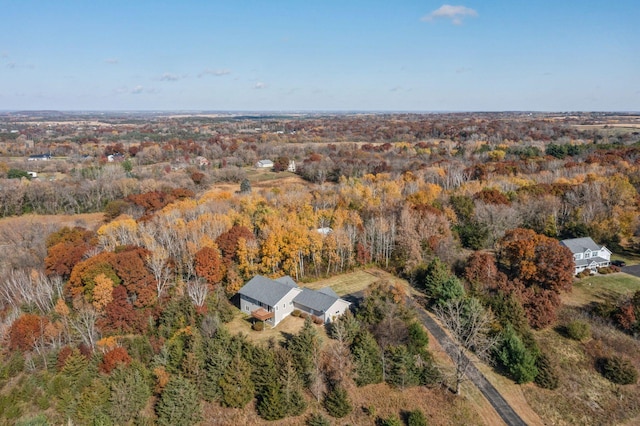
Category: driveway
[632,270]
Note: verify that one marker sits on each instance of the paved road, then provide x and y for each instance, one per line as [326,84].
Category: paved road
[501,406]
[632,270]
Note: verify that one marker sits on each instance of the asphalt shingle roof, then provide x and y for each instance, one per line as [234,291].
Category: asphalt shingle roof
[315,300]
[266,290]
[580,245]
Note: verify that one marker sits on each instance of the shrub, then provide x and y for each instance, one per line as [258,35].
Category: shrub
[618,370]
[391,421]
[584,274]
[607,270]
[416,418]
[258,326]
[578,330]
[317,419]
[516,358]
[317,320]
[296,313]
[547,377]
[304,315]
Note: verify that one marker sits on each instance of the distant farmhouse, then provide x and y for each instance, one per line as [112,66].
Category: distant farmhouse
[273,300]
[587,254]
[264,164]
[39,157]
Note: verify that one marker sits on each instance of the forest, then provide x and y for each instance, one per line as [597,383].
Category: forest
[124,315]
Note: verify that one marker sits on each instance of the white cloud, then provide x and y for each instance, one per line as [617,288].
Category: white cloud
[11,65]
[111,61]
[260,85]
[137,90]
[463,70]
[216,73]
[455,13]
[167,76]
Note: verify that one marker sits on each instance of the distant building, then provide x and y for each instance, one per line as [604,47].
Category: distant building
[292,166]
[39,157]
[264,164]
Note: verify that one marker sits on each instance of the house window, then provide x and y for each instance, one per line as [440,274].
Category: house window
[276,307]
[587,255]
[246,308]
[284,305]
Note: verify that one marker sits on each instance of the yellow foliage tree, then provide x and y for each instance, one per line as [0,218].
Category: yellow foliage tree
[102,292]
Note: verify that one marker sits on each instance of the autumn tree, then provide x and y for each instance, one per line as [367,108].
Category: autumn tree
[209,265]
[113,358]
[540,269]
[25,331]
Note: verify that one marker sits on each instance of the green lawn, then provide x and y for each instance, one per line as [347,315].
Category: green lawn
[352,282]
[600,288]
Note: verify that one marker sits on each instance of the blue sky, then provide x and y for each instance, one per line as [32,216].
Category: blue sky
[282,55]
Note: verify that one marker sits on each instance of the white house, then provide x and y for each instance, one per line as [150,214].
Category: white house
[273,300]
[587,254]
[264,164]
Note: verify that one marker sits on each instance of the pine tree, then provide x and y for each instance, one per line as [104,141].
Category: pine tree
[516,358]
[236,385]
[130,391]
[301,346]
[271,403]
[367,359]
[337,402]
[245,186]
[179,404]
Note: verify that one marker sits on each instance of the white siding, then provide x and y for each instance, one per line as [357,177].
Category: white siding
[336,310]
[285,305]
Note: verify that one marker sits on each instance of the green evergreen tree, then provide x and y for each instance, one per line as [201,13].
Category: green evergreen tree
[401,370]
[217,359]
[179,404]
[416,418]
[130,392]
[367,358]
[336,402]
[245,186]
[418,337]
[236,385]
[317,419]
[93,402]
[547,377]
[391,421]
[516,358]
[291,387]
[301,346]
[271,403]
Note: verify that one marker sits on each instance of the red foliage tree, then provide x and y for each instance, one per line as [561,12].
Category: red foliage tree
[482,273]
[119,313]
[25,331]
[113,358]
[540,269]
[62,257]
[64,353]
[492,196]
[209,265]
[228,242]
[82,279]
[130,266]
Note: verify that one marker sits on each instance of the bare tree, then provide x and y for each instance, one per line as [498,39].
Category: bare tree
[197,291]
[469,323]
[157,263]
[85,324]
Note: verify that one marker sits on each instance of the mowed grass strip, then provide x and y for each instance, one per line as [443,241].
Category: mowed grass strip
[344,284]
[602,288]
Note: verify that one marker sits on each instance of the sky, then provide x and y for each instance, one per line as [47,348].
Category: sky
[320,55]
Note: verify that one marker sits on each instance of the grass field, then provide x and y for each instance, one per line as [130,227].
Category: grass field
[601,288]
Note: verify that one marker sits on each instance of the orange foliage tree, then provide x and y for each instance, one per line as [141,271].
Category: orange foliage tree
[113,358]
[540,269]
[25,331]
[209,265]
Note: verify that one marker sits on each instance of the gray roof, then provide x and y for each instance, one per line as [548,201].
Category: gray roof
[266,290]
[315,300]
[329,292]
[580,245]
[287,280]
[586,262]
